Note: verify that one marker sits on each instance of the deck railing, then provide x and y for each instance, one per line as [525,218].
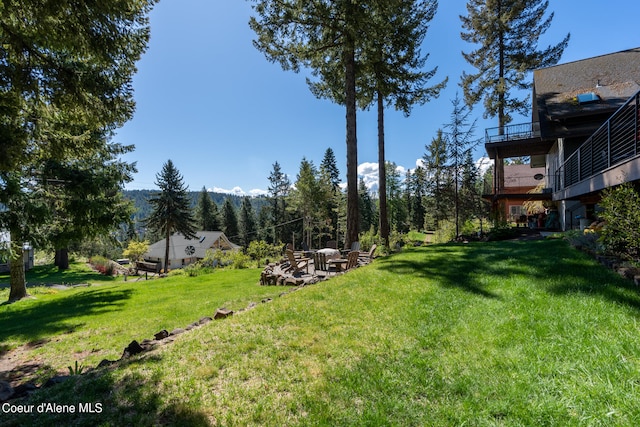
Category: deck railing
[515,132]
[616,141]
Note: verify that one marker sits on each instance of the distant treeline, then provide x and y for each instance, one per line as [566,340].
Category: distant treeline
[143,208]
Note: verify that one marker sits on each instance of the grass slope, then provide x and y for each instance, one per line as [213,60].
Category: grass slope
[508,333]
[88,324]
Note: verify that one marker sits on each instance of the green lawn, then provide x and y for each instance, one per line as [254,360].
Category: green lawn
[88,324]
[505,333]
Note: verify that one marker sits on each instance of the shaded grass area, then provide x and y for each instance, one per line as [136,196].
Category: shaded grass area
[44,275]
[505,333]
[92,323]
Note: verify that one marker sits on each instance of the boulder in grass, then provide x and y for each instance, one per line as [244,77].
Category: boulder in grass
[161,335]
[133,348]
[204,320]
[222,313]
[105,362]
[6,391]
[59,379]
[23,390]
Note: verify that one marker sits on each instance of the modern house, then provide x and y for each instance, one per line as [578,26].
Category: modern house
[584,131]
[183,251]
[520,184]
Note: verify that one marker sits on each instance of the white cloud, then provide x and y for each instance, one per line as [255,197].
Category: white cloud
[368,171]
[235,190]
[257,192]
[238,191]
[483,164]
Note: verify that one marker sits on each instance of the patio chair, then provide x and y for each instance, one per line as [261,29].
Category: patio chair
[296,264]
[352,260]
[367,257]
[320,263]
[355,246]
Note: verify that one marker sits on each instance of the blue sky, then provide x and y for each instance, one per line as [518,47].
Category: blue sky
[210,102]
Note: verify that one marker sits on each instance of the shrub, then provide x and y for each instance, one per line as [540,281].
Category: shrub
[103,265]
[177,272]
[239,260]
[587,240]
[396,241]
[621,234]
[259,250]
[446,232]
[218,258]
[192,270]
[368,238]
[135,250]
[501,231]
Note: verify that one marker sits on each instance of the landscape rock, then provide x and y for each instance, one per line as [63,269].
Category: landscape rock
[23,390]
[6,391]
[161,335]
[222,313]
[105,362]
[177,331]
[204,320]
[59,379]
[133,348]
[148,345]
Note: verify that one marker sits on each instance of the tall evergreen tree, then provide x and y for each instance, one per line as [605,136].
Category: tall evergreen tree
[230,219]
[438,199]
[394,70]
[331,175]
[330,168]
[506,33]
[265,224]
[319,35]
[279,187]
[395,195]
[471,204]
[66,80]
[247,222]
[418,184]
[84,197]
[367,207]
[171,208]
[306,198]
[207,215]
[460,142]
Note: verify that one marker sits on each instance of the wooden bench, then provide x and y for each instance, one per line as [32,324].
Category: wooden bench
[150,267]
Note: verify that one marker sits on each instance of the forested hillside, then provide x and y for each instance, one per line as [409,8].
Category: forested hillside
[143,208]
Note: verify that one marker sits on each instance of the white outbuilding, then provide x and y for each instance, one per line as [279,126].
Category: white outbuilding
[183,251]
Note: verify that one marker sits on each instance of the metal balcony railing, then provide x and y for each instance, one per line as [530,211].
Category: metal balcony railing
[616,141]
[516,132]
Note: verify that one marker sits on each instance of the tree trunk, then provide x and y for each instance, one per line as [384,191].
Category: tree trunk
[166,251]
[18,279]
[498,170]
[382,174]
[353,214]
[62,259]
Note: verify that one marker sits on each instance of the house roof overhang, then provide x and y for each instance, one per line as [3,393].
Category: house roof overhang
[526,197]
[518,148]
